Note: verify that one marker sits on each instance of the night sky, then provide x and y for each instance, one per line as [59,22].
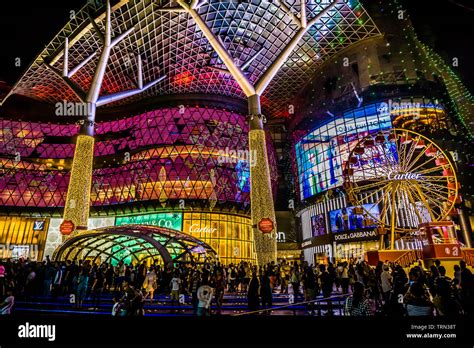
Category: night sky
[25,28]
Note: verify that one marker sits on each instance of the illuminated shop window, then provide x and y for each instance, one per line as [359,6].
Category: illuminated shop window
[229,235]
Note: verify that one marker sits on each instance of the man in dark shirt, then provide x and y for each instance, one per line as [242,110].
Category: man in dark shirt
[326,283]
[467,288]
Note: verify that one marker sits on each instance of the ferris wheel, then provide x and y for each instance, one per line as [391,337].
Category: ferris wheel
[399,176]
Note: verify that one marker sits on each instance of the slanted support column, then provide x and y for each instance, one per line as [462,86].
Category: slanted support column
[261,196]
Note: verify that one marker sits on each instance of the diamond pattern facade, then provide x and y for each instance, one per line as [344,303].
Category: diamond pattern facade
[170,45]
[167,155]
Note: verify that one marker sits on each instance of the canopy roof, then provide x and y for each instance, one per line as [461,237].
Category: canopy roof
[253,32]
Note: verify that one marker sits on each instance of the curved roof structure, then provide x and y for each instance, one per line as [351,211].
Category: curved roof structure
[135,243]
[169,45]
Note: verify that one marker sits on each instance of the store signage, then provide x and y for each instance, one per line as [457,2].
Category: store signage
[315,241]
[281,237]
[167,220]
[392,175]
[66,227]
[355,236]
[266,225]
[205,229]
[38,225]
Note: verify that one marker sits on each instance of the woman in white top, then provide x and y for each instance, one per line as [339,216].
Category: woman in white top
[150,283]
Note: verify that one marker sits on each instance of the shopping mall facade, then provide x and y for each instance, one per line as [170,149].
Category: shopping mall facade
[363,141]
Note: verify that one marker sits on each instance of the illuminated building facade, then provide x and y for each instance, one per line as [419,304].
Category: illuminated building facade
[176,159]
[383,83]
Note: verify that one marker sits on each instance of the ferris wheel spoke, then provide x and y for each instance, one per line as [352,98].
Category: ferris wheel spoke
[433,192]
[425,202]
[412,151]
[370,186]
[417,158]
[411,199]
[373,193]
[424,171]
[437,178]
[400,151]
[388,188]
[433,186]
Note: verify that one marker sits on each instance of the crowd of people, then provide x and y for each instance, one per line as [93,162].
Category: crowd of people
[385,289]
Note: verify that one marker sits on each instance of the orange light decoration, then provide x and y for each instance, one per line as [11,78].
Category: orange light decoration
[184,79]
[66,227]
[266,225]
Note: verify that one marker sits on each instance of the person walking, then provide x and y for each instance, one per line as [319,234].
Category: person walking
[150,284]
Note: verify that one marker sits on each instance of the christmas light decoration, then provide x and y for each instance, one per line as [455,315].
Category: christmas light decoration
[261,198]
[79,190]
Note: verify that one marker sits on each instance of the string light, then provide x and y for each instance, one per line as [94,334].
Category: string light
[261,198]
[79,189]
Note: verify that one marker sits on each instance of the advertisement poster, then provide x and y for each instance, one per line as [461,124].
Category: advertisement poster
[347,219]
[318,225]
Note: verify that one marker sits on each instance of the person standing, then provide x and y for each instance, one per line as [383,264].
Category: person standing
[82,285]
[204,295]
[141,274]
[326,283]
[386,283]
[253,300]
[2,280]
[150,283]
[193,287]
[97,288]
[266,291]
[358,304]
[309,286]
[219,285]
[7,305]
[345,278]
[58,280]
[175,284]
[49,274]
[295,280]
[467,288]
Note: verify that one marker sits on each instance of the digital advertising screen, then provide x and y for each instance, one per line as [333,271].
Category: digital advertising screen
[348,219]
[321,154]
[318,225]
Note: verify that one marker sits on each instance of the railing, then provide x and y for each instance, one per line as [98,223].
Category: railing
[340,300]
[468,256]
[437,240]
[408,258]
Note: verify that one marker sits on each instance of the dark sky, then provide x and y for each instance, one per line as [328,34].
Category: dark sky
[25,28]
